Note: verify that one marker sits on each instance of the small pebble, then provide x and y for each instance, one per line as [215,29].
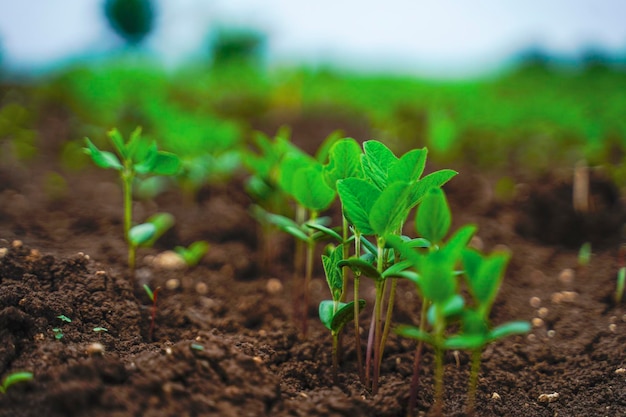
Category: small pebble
[567,276]
[620,371]
[172,283]
[274,286]
[613,319]
[202,288]
[95,349]
[537,322]
[543,312]
[17,243]
[531,338]
[613,327]
[548,398]
[535,302]
[551,333]
[257,359]
[168,351]
[495,396]
[169,260]
[477,243]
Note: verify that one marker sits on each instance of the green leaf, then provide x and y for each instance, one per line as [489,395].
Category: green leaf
[357,199]
[409,167]
[162,222]
[344,162]
[289,165]
[194,253]
[434,179]
[321,155]
[326,312]
[118,143]
[452,306]
[484,275]
[376,162]
[103,159]
[148,291]
[413,332]
[166,163]
[390,210]
[136,147]
[283,223]
[141,233]
[433,217]
[344,315]
[310,189]
[509,329]
[361,266]
[396,269]
[14,378]
[325,230]
[334,276]
[148,160]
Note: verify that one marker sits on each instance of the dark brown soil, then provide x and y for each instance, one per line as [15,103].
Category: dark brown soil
[225,343]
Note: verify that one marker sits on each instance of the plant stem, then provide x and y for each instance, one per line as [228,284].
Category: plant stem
[439,370]
[377,315]
[335,356]
[388,316]
[377,336]
[155,294]
[307,277]
[368,350]
[417,361]
[127,186]
[357,333]
[473,382]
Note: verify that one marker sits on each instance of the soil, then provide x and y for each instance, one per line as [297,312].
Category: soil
[225,342]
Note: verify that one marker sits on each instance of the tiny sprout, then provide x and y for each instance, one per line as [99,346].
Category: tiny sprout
[584,255]
[193,254]
[64,318]
[153,297]
[197,346]
[100,329]
[58,333]
[14,378]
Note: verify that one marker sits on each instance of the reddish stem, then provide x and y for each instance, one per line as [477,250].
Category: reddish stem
[154,310]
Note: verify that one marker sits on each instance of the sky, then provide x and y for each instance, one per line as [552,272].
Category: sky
[422,36]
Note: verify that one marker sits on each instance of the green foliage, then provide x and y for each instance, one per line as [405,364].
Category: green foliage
[621,285]
[193,254]
[136,157]
[433,217]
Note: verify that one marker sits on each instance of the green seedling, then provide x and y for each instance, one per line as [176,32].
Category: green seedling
[378,205]
[584,255]
[134,157]
[194,253]
[13,379]
[152,295]
[436,281]
[621,284]
[58,333]
[146,234]
[335,314]
[100,329]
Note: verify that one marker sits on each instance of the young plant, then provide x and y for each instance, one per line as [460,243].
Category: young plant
[335,314]
[152,295]
[378,206]
[146,234]
[13,379]
[621,284]
[193,254]
[438,286]
[134,157]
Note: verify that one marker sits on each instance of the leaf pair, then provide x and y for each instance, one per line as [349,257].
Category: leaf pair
[141,156]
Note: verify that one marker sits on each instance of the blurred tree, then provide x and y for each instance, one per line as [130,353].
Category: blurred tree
[131,19]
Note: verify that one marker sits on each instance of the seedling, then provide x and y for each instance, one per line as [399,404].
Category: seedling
[194,253]
[378,206]
[438,286]
[152,295]
[100,329]
[58,333]
[13,379]
[134,157]
[584,255]
[146,234]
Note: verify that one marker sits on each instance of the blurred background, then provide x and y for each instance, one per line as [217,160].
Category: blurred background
[518,86]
